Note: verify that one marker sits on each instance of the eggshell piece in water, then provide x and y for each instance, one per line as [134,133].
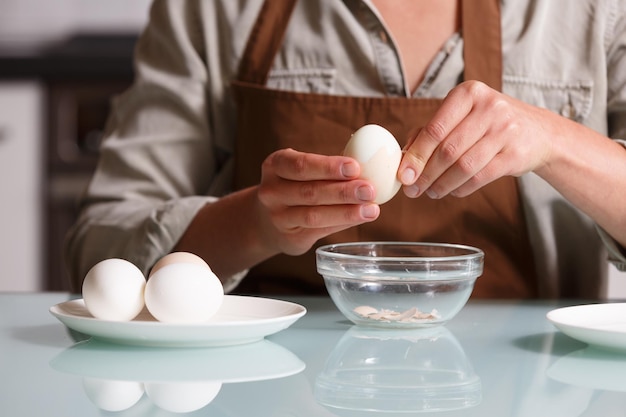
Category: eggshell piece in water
[378,153]
[183,293]
[113,289]
[177,258]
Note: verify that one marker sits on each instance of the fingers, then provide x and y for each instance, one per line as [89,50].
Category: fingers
[463,155]
[305,197]
[315,193]
[461,149]
[299,166]
[324,217]
[489,173]
[420,150]
[292,178]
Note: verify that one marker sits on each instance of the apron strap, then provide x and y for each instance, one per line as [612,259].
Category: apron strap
[482,39]
[264,41]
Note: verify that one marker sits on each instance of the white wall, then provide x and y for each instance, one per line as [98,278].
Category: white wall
[25,22]
[617,284]
[21,118]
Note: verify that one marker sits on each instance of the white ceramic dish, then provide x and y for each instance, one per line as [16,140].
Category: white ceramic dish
[601,325]
[240,320]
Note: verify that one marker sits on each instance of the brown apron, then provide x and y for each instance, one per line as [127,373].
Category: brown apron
[490,218]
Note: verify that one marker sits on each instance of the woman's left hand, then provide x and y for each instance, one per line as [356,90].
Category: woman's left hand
[477,136]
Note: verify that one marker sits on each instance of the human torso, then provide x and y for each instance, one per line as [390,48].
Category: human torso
[270,119]
[419,30]
[338,50]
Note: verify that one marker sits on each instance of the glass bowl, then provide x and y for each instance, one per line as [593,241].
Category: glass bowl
[399,284]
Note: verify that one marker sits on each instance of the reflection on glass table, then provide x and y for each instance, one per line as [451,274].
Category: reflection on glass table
[397,371]
[116,377]
[593,368]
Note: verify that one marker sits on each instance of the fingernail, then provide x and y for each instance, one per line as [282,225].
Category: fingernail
[432,194]
[365,193]
[408,176]
[370,211]
[412,191]
[349,170]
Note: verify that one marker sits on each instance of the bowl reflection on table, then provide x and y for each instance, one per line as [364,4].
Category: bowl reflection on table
[399,284]
[398,371]
[116,377]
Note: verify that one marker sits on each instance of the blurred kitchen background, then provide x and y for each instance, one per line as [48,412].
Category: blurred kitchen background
[61,61]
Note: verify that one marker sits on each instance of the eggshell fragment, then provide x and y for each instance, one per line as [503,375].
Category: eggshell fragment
[113,289]
[183,293]
[177,258]
[379,155]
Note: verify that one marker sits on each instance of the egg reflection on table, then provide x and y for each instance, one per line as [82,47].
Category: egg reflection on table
[112,395]
[115,377]
[379,155]
[113,289]
[182,397]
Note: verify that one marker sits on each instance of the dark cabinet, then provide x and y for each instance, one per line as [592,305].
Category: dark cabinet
[78,79]
[77,113]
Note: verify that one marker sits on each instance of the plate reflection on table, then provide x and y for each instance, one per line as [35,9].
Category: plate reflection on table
[116,377]
[398,371]
[593,368]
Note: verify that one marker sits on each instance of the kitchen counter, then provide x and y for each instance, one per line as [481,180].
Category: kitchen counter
[496,358]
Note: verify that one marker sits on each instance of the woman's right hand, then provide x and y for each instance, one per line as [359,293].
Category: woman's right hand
[304,197]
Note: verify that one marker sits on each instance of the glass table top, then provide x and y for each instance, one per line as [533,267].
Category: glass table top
[495,358]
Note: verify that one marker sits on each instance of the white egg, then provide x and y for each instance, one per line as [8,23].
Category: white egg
[379,155]
[177,258]
[113,290]
[183,293]
[182,397]
[110,395]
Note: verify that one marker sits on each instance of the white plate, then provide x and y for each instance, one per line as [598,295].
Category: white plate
[240,320]
[601,325]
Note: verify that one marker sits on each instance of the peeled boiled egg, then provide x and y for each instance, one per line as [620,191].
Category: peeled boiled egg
[183,293]
[177,258]
[379,154]
[113,289]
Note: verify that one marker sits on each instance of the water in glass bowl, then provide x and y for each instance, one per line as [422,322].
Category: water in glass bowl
[399,303]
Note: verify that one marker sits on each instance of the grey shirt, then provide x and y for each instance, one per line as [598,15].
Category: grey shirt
[169,141]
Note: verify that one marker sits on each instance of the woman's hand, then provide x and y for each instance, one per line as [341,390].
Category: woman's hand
[304,197]
[301,198]
[477,136]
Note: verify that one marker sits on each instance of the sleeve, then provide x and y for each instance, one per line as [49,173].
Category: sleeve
[158,161]
[616,60]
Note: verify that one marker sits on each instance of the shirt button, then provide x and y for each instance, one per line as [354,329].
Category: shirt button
[568,111]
